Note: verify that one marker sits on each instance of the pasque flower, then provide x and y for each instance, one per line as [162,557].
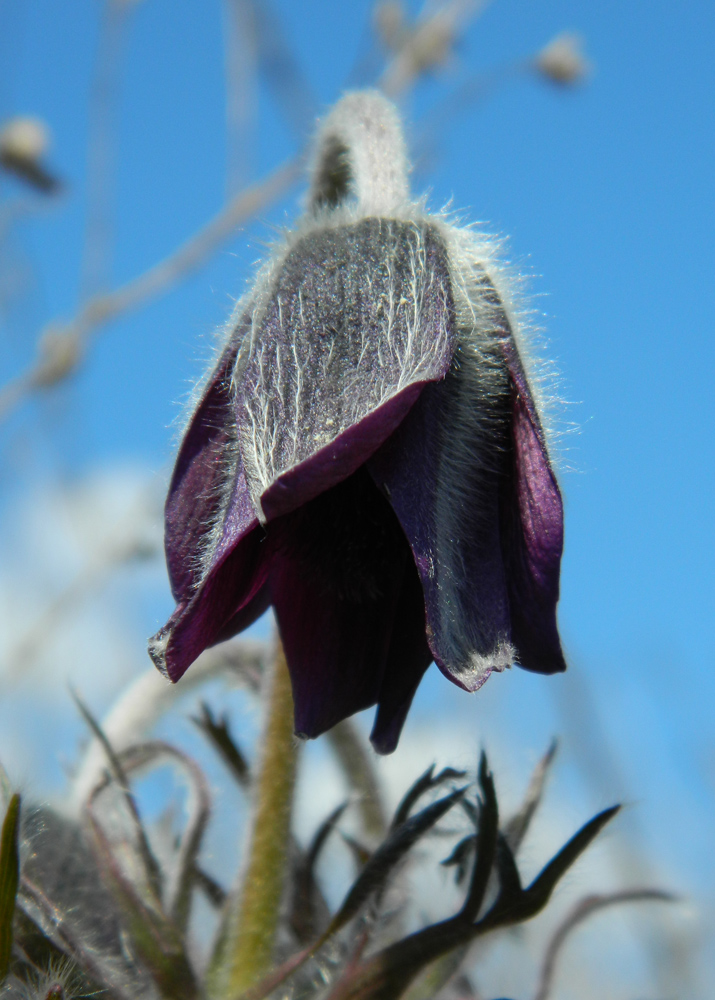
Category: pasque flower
[367,455]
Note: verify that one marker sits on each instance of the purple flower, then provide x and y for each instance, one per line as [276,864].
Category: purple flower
[367,456]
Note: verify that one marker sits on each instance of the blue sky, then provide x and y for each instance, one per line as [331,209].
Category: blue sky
[606,194]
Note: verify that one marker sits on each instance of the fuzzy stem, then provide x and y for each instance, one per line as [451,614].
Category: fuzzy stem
[246,951]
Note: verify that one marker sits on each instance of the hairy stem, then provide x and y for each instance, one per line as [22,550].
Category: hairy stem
[246,951]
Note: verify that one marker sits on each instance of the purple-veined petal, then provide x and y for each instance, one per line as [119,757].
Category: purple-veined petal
[354,321]
[532,526]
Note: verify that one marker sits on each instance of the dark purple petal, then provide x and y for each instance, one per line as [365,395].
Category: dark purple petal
[407,659]
[532,523]
[441,472]
[233,584]
[336,651]
[213,541]
[348,328]
[336,576]
[248,613]
[205,470]
[340,459]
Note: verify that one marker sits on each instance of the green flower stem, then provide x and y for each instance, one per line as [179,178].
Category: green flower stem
[247,948]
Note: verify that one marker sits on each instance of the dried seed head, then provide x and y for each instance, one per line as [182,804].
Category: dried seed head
[23,143]
[24,138]
[562,61]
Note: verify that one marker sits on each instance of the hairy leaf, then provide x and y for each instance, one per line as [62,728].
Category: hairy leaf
[536,896]
[486,842]
[116,772]
[424,784]
[378,869]
[516,828]
[308,905]
[155,939]
[219,733]
[9,877]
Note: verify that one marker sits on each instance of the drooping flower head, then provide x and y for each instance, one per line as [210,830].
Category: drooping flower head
[367,456]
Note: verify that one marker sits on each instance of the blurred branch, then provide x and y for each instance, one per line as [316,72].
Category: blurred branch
[515,830]
[150,695]
[428,43]
[241,66]
[102,152]
[282,72]
[603,768]
[585,908]
[61,346]
[24,653]
[128,539]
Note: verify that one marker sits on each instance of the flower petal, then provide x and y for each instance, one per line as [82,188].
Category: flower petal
[212,535]
[408,658]
[444,491]
[350,326]
[233,585]
[204,472]
[532,531]
[336,576]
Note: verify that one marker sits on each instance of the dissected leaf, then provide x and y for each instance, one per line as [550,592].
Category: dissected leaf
[388,974]
[38,950]
[377,870]
[438,974]
[516,828]
[154,937]
[535,897]
[9,877]
[425,783]
[179,889]
[44,916]
[486,842]
[218,731]
[361,854]
[308,908]
[116,772]
[461,857]
[509,879]
[322,834]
